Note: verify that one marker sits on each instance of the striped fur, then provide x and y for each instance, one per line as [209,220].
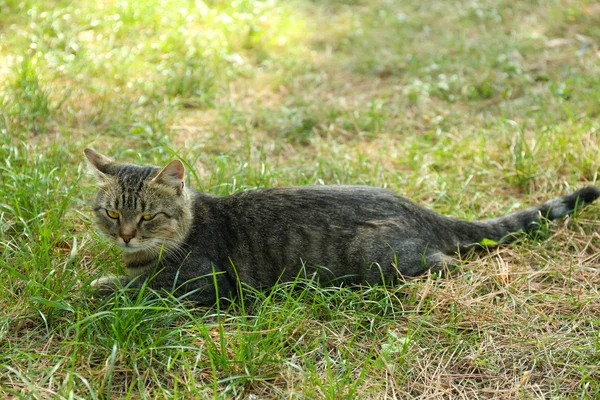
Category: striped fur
[349,234]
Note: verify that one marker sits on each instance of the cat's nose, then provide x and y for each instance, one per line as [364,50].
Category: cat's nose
[127,237]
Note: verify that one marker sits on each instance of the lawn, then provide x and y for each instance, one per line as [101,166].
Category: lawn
[472,108]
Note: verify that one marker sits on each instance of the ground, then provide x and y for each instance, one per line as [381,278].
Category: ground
[471,108]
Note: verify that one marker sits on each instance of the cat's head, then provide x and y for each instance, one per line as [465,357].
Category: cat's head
[141,208]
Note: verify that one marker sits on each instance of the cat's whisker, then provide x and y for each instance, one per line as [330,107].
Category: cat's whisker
[172,248]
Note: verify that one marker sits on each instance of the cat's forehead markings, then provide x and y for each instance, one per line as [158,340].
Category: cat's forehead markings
[131,180]
[130,175]
[147,172]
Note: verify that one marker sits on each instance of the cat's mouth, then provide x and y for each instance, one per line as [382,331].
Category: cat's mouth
[131,247]
[137,247]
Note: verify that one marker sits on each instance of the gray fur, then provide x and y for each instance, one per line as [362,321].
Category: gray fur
[349,234]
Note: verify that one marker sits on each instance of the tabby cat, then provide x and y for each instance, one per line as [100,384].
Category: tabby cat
[199,247]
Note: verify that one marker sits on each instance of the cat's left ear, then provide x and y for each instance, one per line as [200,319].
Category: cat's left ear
[102,164]
[172,175]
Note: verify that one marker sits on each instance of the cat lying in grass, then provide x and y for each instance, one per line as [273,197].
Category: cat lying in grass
[198,246]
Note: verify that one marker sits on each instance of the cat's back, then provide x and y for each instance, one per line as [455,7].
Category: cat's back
[318,192]
[335,193]
[321,203]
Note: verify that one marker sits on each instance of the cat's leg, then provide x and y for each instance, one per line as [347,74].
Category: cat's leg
[106,285]
[405,259]
[438,262]
[429,260]
[197,280]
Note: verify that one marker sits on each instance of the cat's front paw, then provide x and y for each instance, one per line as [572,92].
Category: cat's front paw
[106,285]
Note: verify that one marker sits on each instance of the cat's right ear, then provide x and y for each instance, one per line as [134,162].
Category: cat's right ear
[101,164]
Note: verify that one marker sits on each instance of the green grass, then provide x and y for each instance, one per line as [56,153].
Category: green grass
[475,109]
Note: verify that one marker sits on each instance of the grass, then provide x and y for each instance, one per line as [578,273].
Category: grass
[475,109]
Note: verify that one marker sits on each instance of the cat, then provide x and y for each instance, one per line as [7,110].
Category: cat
[201,247]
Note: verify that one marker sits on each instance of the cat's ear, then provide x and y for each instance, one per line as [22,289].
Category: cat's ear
[171,175]
[100,163]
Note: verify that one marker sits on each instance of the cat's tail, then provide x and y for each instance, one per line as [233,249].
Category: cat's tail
[502,229]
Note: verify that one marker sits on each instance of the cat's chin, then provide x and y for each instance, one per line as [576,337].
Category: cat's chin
[129,249]
[147,247]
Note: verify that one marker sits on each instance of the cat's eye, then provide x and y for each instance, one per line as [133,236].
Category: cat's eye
[112,213]
[148,217]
